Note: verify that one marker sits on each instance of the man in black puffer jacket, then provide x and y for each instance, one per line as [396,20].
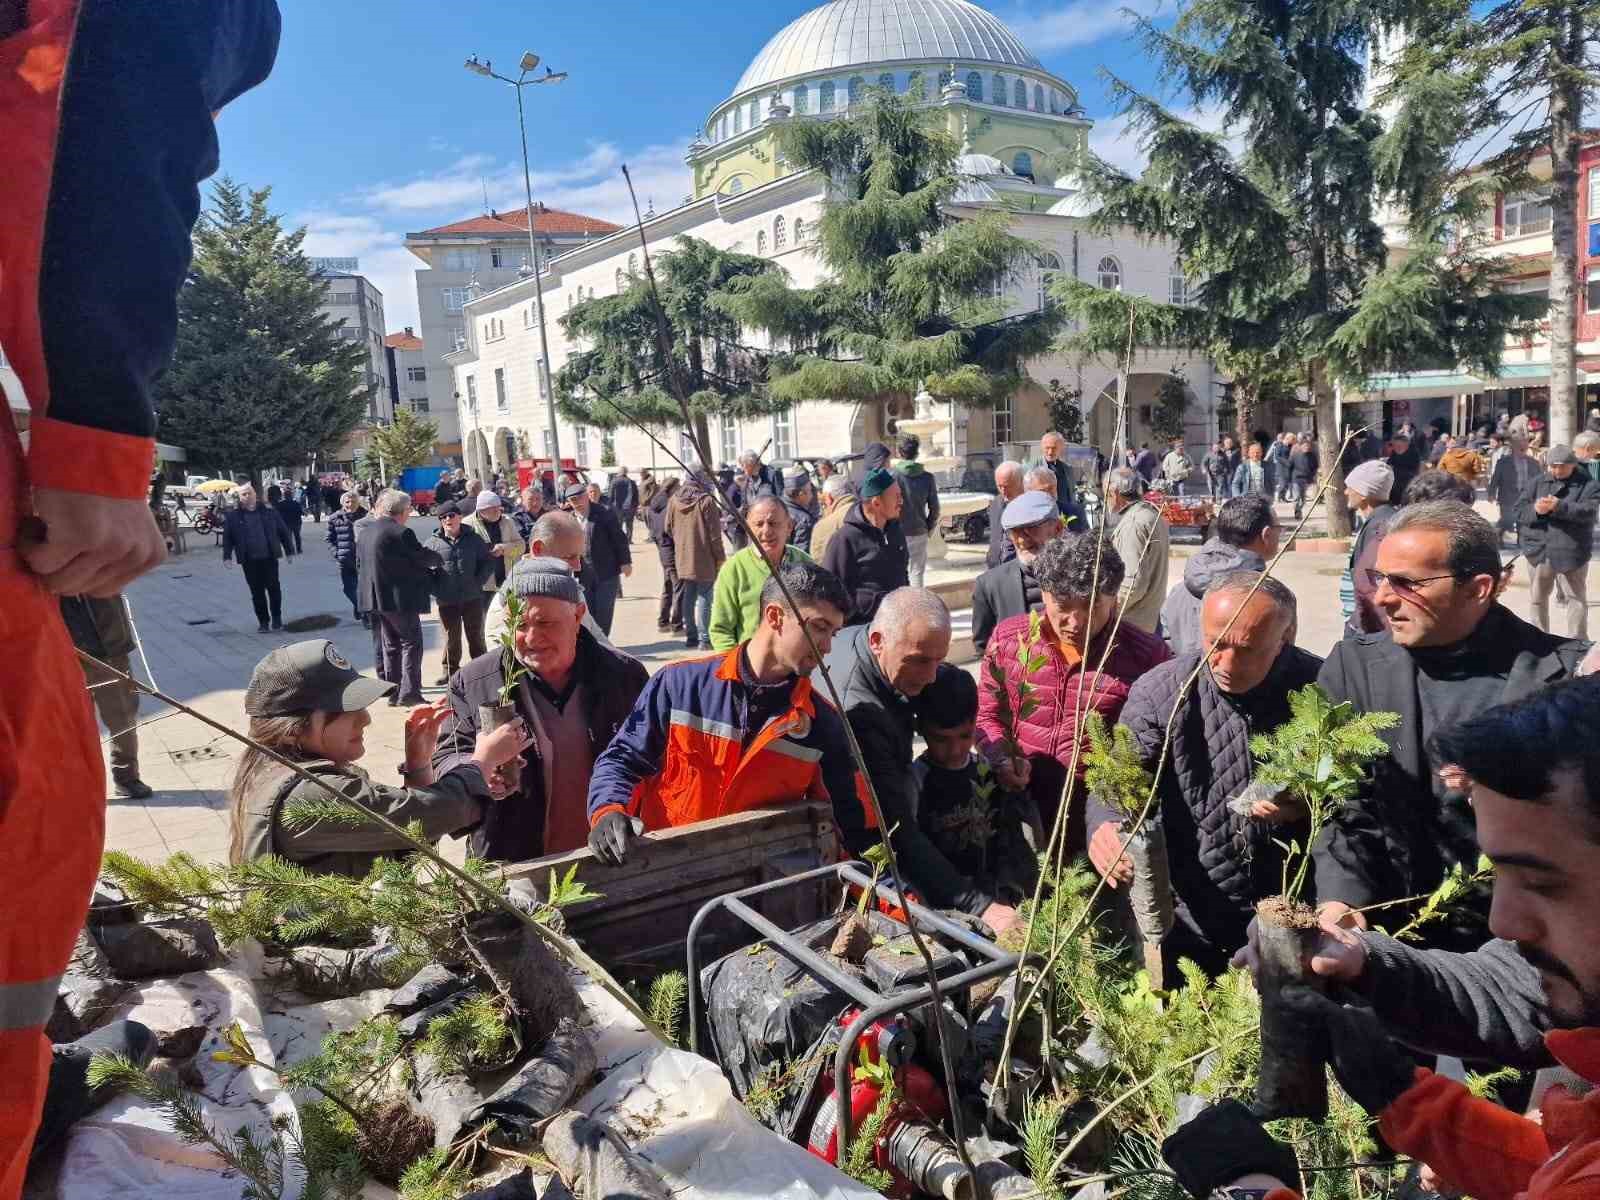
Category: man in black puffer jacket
[1221,861]
[342,537]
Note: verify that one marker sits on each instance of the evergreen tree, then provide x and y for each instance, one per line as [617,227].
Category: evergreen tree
[407,441]
[259,377]
[1515,74]
[908,301]
[1283,235]
[621,358]
[1172,399]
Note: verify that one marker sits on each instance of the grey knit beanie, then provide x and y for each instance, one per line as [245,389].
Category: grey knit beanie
[544,576]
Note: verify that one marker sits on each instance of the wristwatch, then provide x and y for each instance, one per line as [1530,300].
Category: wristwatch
[405,770]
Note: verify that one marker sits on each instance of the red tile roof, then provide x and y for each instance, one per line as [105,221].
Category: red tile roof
[545,220]
[403,341]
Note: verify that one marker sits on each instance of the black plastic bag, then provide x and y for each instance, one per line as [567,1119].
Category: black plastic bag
[328,972]
[143,950]
[68,1098]
[516,1187]
[541,1087]
[88,992]
[428,986]
[599,1162]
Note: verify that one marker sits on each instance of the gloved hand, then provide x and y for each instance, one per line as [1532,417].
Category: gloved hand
[1224,1143]
[610,837]
[1370,1067]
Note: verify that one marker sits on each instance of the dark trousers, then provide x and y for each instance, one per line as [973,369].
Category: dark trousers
[603,601]
[671,598]
[378,665]
[265,593]
[294,532]
[455,618]
[627,524]
[402,652]
[118,706]
[347,580]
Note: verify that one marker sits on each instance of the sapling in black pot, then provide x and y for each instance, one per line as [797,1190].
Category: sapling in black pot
[1115,775]
[1318,758]
[492,716]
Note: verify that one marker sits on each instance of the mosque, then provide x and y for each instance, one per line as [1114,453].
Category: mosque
[1020,127]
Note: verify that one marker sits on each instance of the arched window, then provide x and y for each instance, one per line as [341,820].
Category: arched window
[1000,90]
[1019,94]
[1049,265]
[755,113]
[621,282]
[761,241]
[1038,98]
[945,76]
[735,185]
[1177,286]
[738,121]
[799,231]
[1022,164]
[914,84]
[858,86]
[886,81]
[974,86]
[633,264]
[802,101]
[825,96]
[1109,274]
[780,233]
[1055,101]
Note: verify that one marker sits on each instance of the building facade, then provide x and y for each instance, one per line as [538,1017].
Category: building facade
[469,258]
[955,57]
[408,389]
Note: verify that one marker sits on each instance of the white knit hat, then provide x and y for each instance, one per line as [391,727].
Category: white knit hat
[1373,479]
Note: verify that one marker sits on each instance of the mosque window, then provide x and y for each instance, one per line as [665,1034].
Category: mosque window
[755,113]
[858,85]
[886,81]
[914,84]
[801,98]
[735,186]
[622,284]
[799,230]
[1049,268]
[761,241]
[1019,94]
[825,96]
[1000,90]
[1038,98]
[1022,164]
[1055,101]
[945,76]
[974,86]
[780,233]
[738,121]
[633,264]
[1109,274]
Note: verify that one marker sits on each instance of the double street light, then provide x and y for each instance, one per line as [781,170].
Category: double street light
[530,62]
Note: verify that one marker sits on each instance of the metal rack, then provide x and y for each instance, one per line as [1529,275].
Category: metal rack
[874,1004]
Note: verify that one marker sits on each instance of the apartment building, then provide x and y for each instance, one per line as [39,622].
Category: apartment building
[352,299]
[408,389]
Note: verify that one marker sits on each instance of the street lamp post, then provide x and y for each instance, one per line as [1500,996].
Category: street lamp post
[528,63]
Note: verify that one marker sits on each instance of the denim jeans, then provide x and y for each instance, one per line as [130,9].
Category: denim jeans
[697,612]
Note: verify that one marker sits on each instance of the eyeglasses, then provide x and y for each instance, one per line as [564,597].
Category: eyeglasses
[1399,583]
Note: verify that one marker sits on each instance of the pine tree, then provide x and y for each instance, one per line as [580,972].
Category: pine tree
[1172,399]
[908,299]
[259,377]
[621,358]
[1515,74]
[1283,235]
[407,441]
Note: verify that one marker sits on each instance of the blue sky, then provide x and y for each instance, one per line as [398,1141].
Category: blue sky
[370,127]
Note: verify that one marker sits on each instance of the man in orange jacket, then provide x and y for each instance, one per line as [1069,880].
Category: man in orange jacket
[106,108]
[1534,778]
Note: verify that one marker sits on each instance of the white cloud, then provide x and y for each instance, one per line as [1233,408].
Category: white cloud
[1076,23]
[1112,140]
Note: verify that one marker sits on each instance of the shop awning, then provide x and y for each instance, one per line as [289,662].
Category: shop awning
[1420,385]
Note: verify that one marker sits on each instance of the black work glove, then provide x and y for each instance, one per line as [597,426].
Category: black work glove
[1370,1067]
[610,837]
[1222,1144]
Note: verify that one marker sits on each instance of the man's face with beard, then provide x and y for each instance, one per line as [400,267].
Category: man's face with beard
[1547,889]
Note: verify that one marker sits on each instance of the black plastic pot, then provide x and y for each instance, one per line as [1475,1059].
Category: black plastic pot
[492,716]
[1150,897]
[1294,1050]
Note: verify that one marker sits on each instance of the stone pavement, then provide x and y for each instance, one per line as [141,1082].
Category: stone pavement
[199,635]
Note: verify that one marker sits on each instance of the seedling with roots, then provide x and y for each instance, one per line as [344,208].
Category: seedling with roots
[511,667]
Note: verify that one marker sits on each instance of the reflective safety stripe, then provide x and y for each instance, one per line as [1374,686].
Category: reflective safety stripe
[28,1005]
[705,725]
[808,754]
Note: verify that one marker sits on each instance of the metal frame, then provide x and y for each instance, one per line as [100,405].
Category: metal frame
[874,1004]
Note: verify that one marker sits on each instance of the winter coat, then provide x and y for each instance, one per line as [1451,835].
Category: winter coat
[1217,466]
[998,593]
[624,495]
[1563,537]
[395,574]
[454,803]
[884,721]
[1141,537]
[1066,489]
[1052,728]
[341,536]
[802,521]
[1180,615]
[292,512]
[1396,838]
[736,598]
[98,625]
[1304,465]
[657,519]
[243,532]
[694,529]
[1176,466]
[1365,615]
[1147,464]
[919,515]
[1405,467]
[1242,485]
[466,567]
[1510,478]
[869,561]
[510,538]
[828,525]
[605,546]
[513,828]
[1221,863]
[1000,547]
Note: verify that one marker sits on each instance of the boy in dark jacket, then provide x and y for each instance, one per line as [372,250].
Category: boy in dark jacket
[980,829]
[458,585]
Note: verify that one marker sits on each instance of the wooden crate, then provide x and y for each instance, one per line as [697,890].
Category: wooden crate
[639,925]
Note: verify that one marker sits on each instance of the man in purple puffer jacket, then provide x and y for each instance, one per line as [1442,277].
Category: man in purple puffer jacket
[1072,681]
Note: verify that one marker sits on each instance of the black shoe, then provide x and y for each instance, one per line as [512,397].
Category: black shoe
[663,628]
[277,625]
[132,789]
[407,701]
[443,680]
[262,628]
[394,701]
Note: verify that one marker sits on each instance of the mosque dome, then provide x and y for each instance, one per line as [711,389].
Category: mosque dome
[849,33]
[981,164]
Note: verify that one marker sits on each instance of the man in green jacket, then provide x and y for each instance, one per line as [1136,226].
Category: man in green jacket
[736,599]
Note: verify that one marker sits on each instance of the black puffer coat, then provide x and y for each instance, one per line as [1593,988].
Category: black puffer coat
[1221,863]
[342,535]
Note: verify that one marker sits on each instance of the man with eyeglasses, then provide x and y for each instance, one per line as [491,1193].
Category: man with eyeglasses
[1451,652]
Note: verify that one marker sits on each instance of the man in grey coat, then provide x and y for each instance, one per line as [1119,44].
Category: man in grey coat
[1558,514]
[1244,536]
[1139,532]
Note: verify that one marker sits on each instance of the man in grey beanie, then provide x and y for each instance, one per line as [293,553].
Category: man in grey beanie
[572,692]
